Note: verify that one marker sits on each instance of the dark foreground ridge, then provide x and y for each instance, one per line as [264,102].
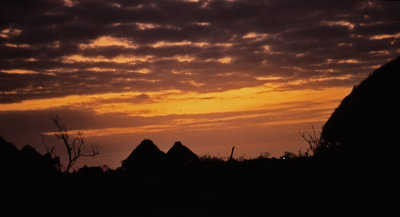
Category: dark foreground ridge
[352,171]
[367,122]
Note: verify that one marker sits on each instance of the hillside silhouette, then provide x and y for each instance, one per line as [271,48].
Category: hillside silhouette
[362,135]
[366,124]
[352,171]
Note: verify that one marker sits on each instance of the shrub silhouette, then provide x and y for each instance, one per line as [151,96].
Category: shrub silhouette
[75,147]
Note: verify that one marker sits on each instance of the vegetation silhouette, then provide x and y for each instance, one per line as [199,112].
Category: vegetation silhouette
[348,170]
[75,147]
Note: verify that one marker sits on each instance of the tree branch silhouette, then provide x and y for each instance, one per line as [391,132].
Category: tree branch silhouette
[314,141]
[75,147]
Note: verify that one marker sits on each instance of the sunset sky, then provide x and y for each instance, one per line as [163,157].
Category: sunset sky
[209,73]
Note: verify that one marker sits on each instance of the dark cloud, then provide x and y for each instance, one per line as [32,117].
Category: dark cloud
[204,39]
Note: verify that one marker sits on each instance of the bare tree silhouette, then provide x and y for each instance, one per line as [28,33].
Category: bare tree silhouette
[75,147]
[313,140]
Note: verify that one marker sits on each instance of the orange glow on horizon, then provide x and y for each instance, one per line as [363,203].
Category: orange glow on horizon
[177,102]
[243,107]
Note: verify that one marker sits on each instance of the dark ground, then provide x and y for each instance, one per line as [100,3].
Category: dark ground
[329,185]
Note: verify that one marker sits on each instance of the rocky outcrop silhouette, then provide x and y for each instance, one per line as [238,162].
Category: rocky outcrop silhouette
[367,122]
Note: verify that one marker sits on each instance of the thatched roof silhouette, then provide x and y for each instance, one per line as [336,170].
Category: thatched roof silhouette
[146,154]
[367,122]
[181,154]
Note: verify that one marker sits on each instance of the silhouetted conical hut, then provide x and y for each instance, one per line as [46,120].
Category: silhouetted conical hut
[181,154]
[30,154]
[26,161]
[145,155]
[367,122]
[35,163]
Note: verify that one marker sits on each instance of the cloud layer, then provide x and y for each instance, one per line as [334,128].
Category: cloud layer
[52,48]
